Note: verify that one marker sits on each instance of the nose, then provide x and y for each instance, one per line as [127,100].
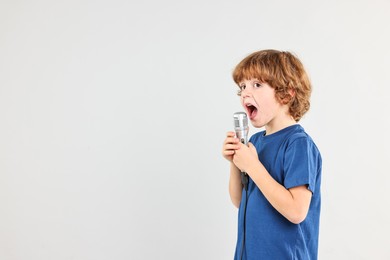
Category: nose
[246,92]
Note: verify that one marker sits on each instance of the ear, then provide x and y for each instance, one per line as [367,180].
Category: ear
[291,91]
[290,97]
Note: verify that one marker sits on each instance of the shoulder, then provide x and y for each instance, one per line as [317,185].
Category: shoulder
[255,137]
[300,140]
[299,135]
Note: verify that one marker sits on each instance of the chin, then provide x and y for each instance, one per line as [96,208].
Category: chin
[257,124]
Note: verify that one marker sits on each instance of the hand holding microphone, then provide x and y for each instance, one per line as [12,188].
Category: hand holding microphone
[232,144]
[233,139]
[241,128]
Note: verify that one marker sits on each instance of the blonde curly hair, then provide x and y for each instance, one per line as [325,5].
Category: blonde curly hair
[282,71]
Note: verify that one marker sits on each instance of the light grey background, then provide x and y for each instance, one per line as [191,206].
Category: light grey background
[113,115]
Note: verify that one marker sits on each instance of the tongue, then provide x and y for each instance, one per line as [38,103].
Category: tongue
[253,113]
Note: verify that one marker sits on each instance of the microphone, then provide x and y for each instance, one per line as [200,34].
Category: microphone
[241,128]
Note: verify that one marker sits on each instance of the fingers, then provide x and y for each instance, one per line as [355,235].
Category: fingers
[227,152]
[230,144]
[231,138]
[230,134]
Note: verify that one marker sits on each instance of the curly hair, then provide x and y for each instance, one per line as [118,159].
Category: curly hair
[282,71]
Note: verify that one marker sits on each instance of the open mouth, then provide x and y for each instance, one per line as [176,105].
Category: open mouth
[252,110]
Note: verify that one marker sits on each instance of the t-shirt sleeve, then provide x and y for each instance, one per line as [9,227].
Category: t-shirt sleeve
[301,164]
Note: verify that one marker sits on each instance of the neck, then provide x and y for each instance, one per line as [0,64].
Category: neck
[279,123]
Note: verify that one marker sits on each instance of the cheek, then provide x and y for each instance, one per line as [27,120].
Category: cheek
[268,108]
[242,101]
[271,102]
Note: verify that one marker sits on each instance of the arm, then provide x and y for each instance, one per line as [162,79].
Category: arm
[292,203]
[235,187]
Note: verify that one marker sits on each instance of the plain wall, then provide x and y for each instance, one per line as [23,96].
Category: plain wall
[113,114]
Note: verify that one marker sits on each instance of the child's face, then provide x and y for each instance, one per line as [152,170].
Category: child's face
[260,103]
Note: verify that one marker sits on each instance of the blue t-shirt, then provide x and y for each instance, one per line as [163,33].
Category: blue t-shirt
[292,159]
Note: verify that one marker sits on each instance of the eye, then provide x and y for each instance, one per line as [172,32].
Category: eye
[257,85]
[242,87]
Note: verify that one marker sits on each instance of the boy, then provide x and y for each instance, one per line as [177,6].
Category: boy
[279,214]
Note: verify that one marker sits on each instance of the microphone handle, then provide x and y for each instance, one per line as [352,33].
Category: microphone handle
[244,180]
[244,175]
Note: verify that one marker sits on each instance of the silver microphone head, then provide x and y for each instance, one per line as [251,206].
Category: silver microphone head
[241,126]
